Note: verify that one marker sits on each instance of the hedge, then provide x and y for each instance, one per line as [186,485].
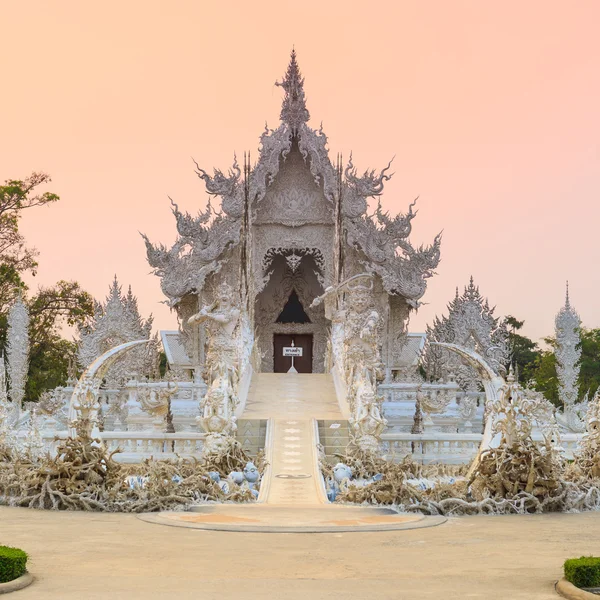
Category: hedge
[13,563]
[583,572]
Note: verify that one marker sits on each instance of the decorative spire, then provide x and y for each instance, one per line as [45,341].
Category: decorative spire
[17,351]
[568,352]
[293,108]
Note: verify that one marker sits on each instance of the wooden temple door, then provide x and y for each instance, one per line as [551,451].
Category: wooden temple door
[302,364]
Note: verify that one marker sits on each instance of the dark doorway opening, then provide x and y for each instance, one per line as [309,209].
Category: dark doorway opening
[302,364]
[293,311]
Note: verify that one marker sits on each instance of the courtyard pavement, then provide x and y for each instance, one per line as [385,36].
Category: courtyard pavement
[92,556]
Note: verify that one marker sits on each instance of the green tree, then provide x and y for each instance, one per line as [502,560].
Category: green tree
[524,351]
[589,372]
[543,373]
[51,355]
[16,196]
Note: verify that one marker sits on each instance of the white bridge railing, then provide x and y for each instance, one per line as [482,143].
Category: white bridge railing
[451,448]
[137,446]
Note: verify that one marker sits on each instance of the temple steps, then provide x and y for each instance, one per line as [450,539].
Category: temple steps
[292,404]
[298,395]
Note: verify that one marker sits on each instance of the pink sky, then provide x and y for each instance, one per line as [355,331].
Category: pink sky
[491,109]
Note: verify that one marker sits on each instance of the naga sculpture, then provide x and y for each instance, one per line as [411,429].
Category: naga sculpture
[221,371]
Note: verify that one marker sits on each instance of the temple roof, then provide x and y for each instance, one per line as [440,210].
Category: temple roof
[382,239]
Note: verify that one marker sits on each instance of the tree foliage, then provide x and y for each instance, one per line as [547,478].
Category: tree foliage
[16,196]
[524,351]
[589,374]
[51,308]
[51,355]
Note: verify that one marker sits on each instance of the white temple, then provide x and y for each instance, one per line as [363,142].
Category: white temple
[293,300]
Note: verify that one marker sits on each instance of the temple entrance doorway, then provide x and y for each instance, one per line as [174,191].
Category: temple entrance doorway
[282,363]
[291,280]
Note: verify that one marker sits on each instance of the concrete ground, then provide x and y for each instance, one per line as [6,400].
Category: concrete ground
[92,556]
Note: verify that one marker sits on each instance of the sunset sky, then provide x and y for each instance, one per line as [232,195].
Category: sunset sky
[491,109]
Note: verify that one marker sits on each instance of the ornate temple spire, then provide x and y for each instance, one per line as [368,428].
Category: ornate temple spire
[567,352]
[293,108]
[471,324]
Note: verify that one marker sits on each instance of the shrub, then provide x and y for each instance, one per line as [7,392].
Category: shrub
[583,572]
[13,563]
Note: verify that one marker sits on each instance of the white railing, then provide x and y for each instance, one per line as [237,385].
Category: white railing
[452,448]
[136,446]
[449,448]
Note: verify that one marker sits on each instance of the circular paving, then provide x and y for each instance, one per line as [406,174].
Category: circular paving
[265,518]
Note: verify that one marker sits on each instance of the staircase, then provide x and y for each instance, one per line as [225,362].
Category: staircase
[292,403]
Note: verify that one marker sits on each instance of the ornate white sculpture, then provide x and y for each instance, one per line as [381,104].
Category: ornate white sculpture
[568,353]
[470,324]
[17,353]
[518,409]
[156,401]
[357,326]
[118,321]
[222,364]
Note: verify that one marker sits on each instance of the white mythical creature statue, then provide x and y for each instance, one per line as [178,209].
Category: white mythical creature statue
[356,350]
[156,401]
[221,371]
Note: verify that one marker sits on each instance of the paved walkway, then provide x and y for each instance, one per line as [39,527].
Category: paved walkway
[95,556]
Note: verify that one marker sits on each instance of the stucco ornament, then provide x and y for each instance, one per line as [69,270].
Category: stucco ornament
[17,354]
[568,354]
[221,372]
[470,324]
[115,322]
